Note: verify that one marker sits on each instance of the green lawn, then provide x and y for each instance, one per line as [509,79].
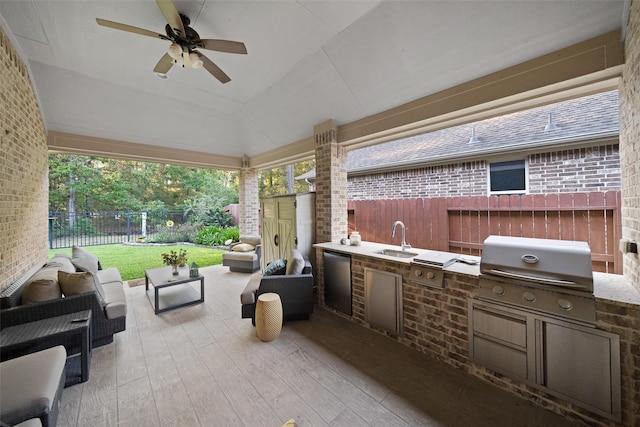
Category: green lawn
[132,261]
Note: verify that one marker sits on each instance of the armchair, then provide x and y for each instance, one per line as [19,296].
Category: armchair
[295,290]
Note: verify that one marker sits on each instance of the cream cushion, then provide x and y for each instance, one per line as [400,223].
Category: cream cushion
[295,263]
[252,240]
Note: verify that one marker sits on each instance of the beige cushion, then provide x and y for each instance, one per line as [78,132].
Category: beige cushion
[243,247]
[116,300]
[252,240]
[84,260]
[80,283]
[295,263]
[29,383]
[109,275]
[63,262]
[240,256]
[43,286]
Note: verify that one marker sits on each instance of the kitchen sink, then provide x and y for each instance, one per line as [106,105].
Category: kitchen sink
[396,253]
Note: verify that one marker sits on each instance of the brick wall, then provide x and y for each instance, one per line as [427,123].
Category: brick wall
[568,171]
[630,142]
[24,193]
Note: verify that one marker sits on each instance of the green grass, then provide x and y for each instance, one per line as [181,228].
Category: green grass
[132,261]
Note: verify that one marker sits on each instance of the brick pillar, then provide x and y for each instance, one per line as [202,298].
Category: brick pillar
[629,90]
[331,184]
[249,200]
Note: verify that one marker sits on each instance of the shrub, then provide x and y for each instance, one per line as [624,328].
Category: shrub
[177,233]
[216,236]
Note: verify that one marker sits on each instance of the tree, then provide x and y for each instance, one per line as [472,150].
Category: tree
[275,181]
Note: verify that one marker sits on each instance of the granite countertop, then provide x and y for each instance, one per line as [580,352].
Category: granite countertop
[611,287]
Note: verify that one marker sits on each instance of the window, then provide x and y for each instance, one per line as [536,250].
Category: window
[508,177]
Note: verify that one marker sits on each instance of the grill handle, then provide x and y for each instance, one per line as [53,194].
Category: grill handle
[542,280]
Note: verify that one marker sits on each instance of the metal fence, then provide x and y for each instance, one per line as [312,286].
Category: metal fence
[106,228]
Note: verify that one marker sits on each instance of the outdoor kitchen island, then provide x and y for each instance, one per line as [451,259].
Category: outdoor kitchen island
[434,319]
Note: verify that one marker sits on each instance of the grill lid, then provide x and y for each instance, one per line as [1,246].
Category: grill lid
[561,263]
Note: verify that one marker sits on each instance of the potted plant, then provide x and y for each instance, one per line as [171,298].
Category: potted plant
[171,259]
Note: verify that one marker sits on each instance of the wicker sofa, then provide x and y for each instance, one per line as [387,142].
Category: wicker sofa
[295,288]
[19,304]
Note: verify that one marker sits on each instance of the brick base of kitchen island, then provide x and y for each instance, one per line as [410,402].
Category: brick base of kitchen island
[435,322]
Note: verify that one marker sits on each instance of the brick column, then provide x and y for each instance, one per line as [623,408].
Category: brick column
[249,200]
[331,184]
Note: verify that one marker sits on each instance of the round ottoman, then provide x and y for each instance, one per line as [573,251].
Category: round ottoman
[268,316]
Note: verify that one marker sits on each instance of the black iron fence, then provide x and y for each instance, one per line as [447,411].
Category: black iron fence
[106,228]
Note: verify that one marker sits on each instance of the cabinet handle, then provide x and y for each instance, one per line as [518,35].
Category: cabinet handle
[275,240]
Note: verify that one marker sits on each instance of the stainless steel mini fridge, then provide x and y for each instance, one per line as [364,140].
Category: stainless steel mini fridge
[337,281]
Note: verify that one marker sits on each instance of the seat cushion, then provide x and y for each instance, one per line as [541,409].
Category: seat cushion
[110,275]
[29,384]
[63,262]
[240,256]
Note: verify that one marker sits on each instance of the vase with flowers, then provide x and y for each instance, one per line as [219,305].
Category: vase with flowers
[182,258]
[171,259]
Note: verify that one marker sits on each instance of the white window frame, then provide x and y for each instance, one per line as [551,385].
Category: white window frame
[526,178]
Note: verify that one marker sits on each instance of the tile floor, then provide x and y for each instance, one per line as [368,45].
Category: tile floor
[204,366]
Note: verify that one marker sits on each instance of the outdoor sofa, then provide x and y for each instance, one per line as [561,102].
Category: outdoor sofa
[65,285]
[292,279]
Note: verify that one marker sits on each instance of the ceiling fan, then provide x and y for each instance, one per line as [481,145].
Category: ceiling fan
[184,42]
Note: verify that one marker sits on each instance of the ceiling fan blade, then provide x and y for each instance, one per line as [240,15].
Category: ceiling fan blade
[214,69]
[222,46]
[129,28]
[164,65]
[171,14]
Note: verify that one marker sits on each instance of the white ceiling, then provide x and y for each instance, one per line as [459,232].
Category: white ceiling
[307,62]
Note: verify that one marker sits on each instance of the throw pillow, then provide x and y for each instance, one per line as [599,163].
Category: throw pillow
[80,283]
[243,247]
[62,262]
[295,263]
[275,268]
[84,260]
[43,286]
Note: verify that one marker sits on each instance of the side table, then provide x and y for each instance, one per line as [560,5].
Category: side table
[268,316]
[70,330]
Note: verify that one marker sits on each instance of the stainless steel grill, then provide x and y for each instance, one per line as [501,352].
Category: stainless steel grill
[551,276]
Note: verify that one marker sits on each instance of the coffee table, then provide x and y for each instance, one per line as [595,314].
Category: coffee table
[171,291]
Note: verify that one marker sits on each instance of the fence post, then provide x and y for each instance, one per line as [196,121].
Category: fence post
[51,232]
[129,226]
[143,231]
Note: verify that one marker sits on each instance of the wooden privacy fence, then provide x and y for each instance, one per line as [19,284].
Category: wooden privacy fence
[461,224]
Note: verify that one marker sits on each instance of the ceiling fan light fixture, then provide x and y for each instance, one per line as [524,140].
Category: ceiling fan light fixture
[162,76]
[196,62]
[175,51]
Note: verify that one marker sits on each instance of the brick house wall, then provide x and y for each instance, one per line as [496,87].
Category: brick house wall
[629,91]
[566,171]
[24,193]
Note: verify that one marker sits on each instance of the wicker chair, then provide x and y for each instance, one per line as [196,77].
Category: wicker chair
[295,290]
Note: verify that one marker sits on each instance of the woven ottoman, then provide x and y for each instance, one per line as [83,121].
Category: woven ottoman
[268,316]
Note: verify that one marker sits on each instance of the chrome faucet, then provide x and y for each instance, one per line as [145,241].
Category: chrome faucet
[404,244]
